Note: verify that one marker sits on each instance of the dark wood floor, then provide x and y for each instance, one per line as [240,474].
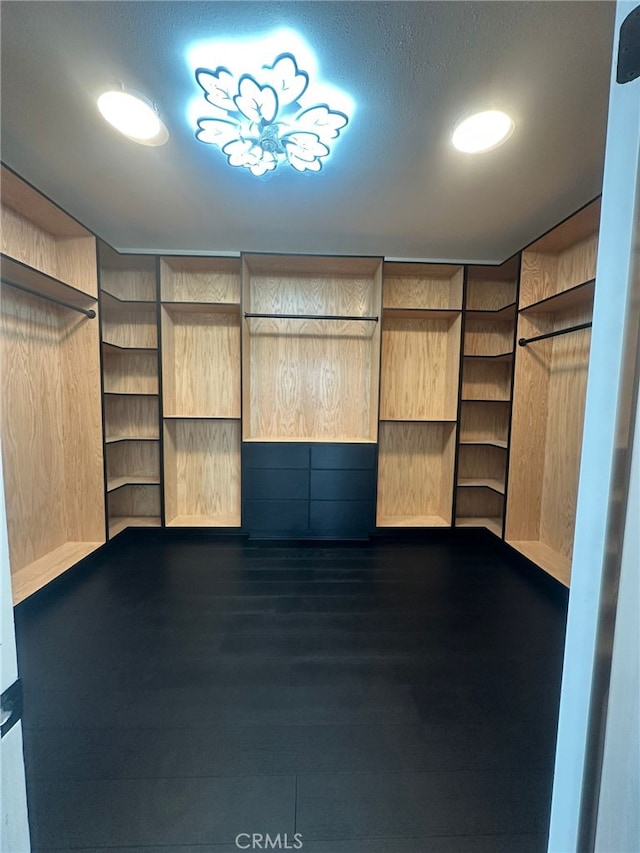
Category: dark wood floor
[382,698]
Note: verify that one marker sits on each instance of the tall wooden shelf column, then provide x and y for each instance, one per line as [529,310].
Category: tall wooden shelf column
[556,293]
[485,404]
[201,390]
[130,382]
[50,420]
[421,327]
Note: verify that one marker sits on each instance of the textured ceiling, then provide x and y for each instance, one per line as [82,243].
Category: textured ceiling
[394,185]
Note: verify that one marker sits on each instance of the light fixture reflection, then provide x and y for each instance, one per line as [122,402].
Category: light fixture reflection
[133,116]
[482,131]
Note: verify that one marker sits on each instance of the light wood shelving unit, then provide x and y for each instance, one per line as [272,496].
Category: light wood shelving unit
[201,390]
[311,365]
[485,407]
[556,293]
[130,378]
[421,328]
[50,419]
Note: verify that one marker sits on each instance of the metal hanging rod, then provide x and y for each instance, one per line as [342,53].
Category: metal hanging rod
[524,341]
[88,312]
[249,314]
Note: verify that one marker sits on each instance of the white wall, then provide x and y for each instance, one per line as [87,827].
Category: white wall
[604,393]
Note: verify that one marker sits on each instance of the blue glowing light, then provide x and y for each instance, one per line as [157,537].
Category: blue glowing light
[264,104]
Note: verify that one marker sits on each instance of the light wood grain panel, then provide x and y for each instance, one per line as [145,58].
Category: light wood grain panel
[82,428]
[130,372]
[478,503]
[131,417]
[32,427]
[420,363]
[481,463]
[200,280]
[484,421]
[129,285]
[72,260]
[309,379]
[415,471]
[201,364]
[119,523]
[487,337]
[566,400]
[134,501]
[492,523]
[553,563]
[30,204]
[202,472]
[127,327]
[133,459]
[545,275]
[578,227]
[34,576]
[310,265]
[486,380]
[317,294]
[422,291]
[488,295]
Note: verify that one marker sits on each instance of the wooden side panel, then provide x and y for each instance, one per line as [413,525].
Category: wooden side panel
[415,474]
[577,264]
[130,372]
[133,285]
[202,473]
[487,337]
[484,421]
[83,488]
[419,369]
[487,295]
[545,275]
[126,327]
[566,396]
[486,380]
[32,426]
[528,435]
[198,280]
[202,365]
[135,501]
[483,463]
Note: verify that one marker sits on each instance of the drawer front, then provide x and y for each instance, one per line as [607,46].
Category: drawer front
[276,518]
[343,485]
[343,456]
[265,484]
[342,519]
[267,454]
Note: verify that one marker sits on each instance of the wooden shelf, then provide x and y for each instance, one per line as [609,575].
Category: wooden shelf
[120,522]
[129,304]
[505,314]
[117,349]
[422,313]
[198,280]
[229,520]
[285,438]
[485,400]
[412,521]
[575,297]
[484,422]
[35,575]
[112,439]
[555,564]
[487,442]
[499,357]
[42,247]
[494,524]
[417,420]
[427,287]
[114,483]
[130,393]
[203,307]
[480,483]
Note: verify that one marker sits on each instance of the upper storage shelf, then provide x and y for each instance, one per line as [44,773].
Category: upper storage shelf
[43,248]
[311,359]
[213,283]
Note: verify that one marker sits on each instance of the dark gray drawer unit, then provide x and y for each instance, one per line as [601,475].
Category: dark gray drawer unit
[308,490]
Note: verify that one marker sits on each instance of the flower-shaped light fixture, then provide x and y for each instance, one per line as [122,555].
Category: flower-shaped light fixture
[268,117]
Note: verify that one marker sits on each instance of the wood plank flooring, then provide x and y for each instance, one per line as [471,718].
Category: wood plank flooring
[390,697]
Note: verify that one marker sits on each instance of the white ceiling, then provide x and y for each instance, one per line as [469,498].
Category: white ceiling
[394,185]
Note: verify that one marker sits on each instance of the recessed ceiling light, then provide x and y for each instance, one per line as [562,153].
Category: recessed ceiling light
[482,131]
[133,116]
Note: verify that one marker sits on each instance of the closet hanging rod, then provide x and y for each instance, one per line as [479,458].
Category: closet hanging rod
[524,341]
[88,312]
[250,314]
